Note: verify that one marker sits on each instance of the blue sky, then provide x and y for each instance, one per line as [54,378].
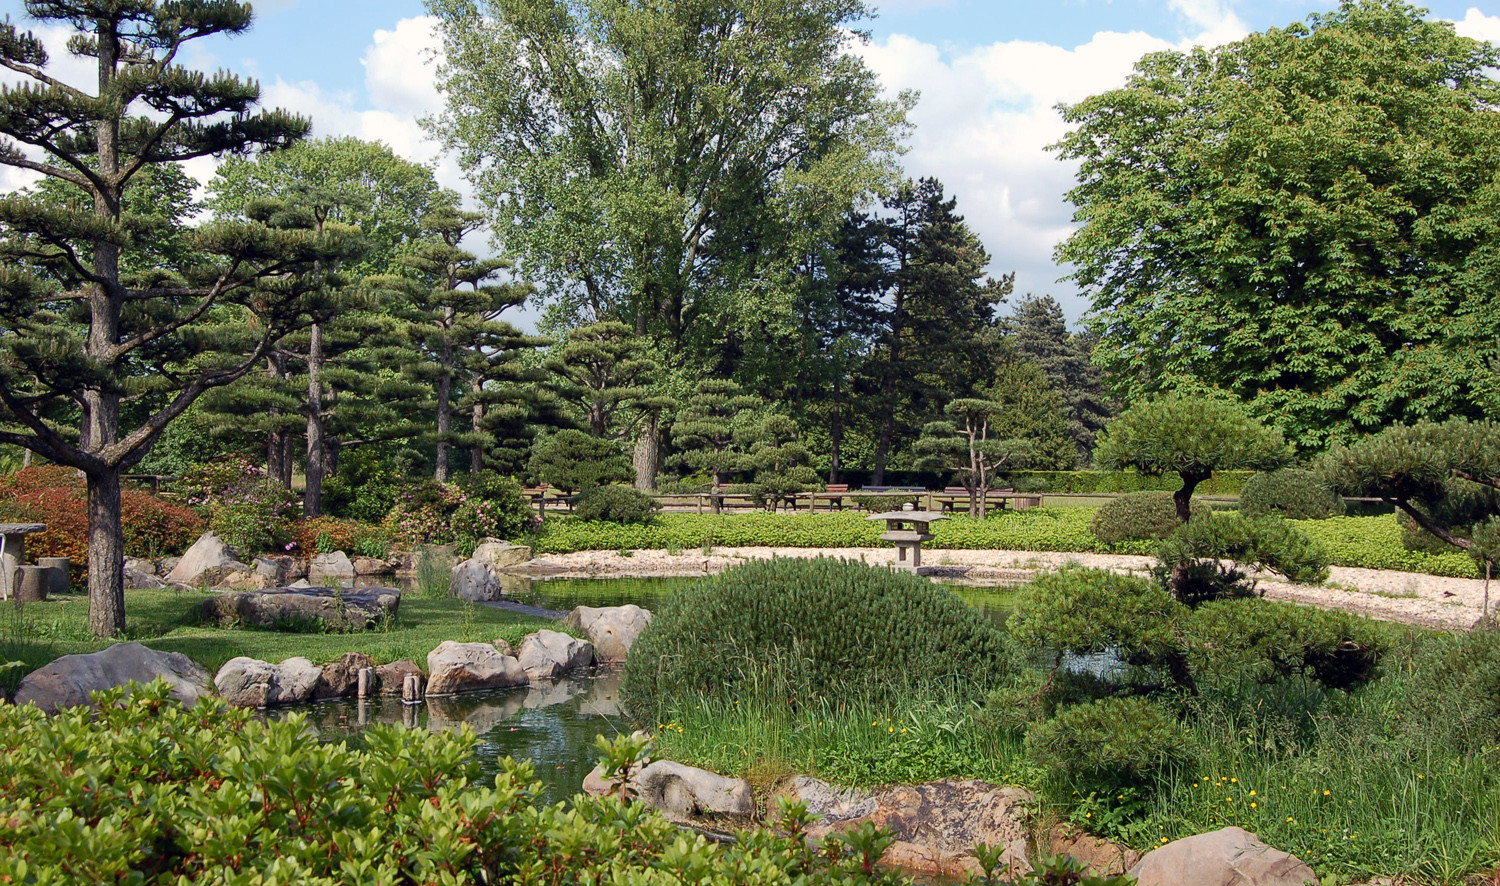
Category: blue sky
[990,72]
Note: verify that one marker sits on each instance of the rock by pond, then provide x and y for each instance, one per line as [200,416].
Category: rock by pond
[612,630]
[470,667]
[546,654]
[340,610]
[67,682]
[335,565]
[206,562]
[681,793]
[1228,857]
[251,683]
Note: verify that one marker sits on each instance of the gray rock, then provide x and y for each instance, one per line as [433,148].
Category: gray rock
[140,565]
[208,553]
[67,682]
[334,565]
[340,679]
[137,580]
[391,677]
[684,793]
[612,629]
[299,584]
[283,607]
[545,654]
[373,566]
[498,554]
[276,569]
[472,580]
[1228,857]
[239,580]
[469,667]
[251,683]
[165,565]
[831,803]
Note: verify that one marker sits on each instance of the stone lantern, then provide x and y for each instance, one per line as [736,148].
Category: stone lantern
[907,529]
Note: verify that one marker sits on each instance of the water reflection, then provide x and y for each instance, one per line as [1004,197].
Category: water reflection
[552,724]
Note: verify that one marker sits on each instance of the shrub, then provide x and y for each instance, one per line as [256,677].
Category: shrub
[1089,611]
[1290,493]
[1190,560]
[1139,516]
[263,518]
[1111,742]
[1458,508]
[1120,482]
[365,488]
[324,535]
[809,628]
[1265,641]
[615,504]
[144,791]
[1455,701]
[572,460]
[490,506]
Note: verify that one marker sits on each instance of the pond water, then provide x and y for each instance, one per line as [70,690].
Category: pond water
[552,724]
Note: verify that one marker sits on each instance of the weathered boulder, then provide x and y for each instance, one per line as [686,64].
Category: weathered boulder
[136,580]
[829,802]
[340,679]
[283,607]
[391,677]
[612,629]
[67,682]
[503,646]
[326,566]
[299,584]
[207,561]
[373,566]
[682,793]
[937,825]
[498,554]
[545,654]
[165,565]
[251,683]
[1099,856]
[140,565]
[468,667]
[277,569]
[242,580]
[472,580]
[1227,857]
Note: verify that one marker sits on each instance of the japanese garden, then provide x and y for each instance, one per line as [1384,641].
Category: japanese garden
[661,481]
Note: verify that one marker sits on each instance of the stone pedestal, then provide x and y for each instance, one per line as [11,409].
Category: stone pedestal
[13,552]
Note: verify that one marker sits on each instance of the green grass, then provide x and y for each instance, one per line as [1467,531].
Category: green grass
[166,620]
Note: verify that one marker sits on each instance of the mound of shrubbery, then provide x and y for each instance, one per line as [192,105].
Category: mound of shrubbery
[1290,493]
[1139,516]
[615,504]
[803,629]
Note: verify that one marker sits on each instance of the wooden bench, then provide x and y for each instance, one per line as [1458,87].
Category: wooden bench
[835,493]
[953,496]
[537,496]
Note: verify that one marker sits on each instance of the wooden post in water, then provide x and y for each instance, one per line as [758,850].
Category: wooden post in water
[366,681]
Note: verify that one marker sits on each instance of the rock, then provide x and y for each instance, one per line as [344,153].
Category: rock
[334,565]
[296,567]
[503,647]
[140,565]
[684,793]
[242,580]
[208,553]
[165,565]
[277,569]
[472,580]
[390,678]
[251,683]
[498,554]
[937,825]
[1101,857]
[1228,857]
[831,803]
[299,584]
[283,607]
[373,566]
[67,682]
[340,679]
[137,580]
[545,654]
[467,667]
[612,629]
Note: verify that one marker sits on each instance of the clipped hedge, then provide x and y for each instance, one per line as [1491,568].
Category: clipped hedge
[615,504]
[1223,483]
[1290,493]
[1375,543]
[798,629]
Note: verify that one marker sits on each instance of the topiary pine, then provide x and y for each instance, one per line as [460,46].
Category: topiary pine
[81,327]
[1191,437]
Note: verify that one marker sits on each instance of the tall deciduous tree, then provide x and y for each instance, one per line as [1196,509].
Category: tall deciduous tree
[1303,218]
[665,164]
[128,349]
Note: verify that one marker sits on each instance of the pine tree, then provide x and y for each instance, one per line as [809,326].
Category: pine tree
[605,373]
[131,350]
[1037,331]
[967,444]
[709,431]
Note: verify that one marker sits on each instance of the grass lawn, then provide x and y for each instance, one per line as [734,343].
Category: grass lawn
[167,620]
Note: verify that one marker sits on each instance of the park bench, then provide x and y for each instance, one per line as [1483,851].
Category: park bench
[537,496]
[835,494]
[954,498]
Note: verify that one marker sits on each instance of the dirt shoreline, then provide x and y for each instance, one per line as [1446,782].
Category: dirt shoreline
[1408,598]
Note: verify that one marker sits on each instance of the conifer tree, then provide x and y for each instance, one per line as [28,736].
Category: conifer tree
[709,432]
[131,350]
[967,445]
[606,374]
[1037,331]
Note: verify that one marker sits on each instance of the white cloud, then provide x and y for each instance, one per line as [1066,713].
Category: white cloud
[399,67]
[1479,26]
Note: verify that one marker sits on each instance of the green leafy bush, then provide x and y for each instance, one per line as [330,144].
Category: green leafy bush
[1111,742]
[1265,641]
[1140,516]
[1290,493]
[615,504]
[490,506]
[572,460]
[258,518]
[809,628]
[365,488]
[1455,701]
[147,792]
[1089,611]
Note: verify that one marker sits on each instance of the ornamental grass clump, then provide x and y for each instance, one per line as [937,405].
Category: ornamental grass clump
[802,629]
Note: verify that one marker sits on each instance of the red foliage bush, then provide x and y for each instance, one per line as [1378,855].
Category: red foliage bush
[55,496]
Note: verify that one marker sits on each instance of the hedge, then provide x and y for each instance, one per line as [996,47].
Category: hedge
[1364,542]
[1223,483]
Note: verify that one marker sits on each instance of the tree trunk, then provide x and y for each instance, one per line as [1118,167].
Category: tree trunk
[648,453]
[883,447]
[312,501]
[836,443]
[476,454]
[106,554]
[444,426]
[1183,497]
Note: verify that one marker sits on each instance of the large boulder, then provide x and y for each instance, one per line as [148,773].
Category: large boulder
[373,566]
[251,683]
[545,654]
[498,554]
[67,682]
[390,678]
[612,629]
[1100,857]
[937,825]
[472,580]
[340,679]
[140,564]
[1228,857]
[241,580]
[277,569]
[137,580]
[206,562]
[469,667]
[325,566]
[681,793]
[292,607]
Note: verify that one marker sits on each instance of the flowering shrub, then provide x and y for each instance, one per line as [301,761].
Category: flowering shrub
[54,495]
[428,512]
[207,485]
[324,535]
[243,505]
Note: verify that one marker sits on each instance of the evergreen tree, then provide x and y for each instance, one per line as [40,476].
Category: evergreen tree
[1036,331]
[130,349]
[606,374]
[1031,410]
[782,465]
[709,431]
[967,445]
[573,461]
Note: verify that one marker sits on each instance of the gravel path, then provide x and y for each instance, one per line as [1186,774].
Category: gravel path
[1405,597]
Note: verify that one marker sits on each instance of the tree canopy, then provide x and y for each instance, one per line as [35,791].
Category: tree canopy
[1304,218]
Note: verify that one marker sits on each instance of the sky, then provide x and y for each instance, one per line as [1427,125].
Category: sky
[990,73]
